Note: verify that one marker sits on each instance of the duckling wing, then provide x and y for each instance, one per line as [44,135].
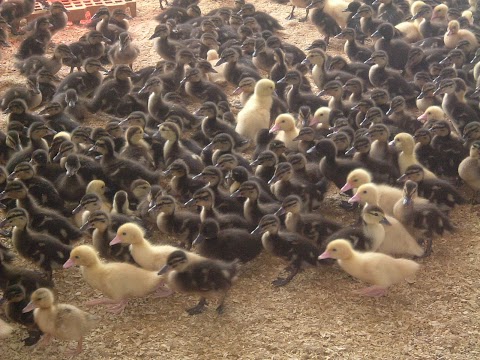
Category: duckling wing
[72,323]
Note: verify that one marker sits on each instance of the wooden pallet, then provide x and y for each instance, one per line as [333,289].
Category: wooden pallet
[80,10]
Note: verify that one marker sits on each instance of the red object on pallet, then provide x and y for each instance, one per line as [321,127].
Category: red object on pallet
[78,8]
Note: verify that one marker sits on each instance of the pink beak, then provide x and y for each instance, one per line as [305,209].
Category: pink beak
[354,198]
[116,240]
[325,255]
[422,117]
[68,264]
[29,307]
[274,128]
[346,187]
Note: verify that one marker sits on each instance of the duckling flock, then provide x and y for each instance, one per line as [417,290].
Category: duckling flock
[221,188]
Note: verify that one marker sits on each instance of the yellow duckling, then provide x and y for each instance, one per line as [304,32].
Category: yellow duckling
[61,321]
[148,256]
[217,77]
[286,130]
[117,281]
[410,29]
[454,35]
[431,115]
[405,143]
[5,330]
[378,269]
[255,115]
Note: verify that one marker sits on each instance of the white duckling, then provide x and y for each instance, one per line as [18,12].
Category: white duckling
[148,256]
[378,269]
[286,130]
[405,144]
[218,78]
[117,281]
[61,321]
[454,35]
[321,120]
[255,115]
[469,169]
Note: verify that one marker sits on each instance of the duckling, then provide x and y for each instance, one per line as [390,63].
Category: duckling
[204,277]
[14,11]
[200,89]
[137,148]
[381,76]
[76,107]
[37,42]
[42,166]
[290,246]
[124,170]
[262,56]
[325,22]
[282,182]
[352,49]
[365,266]
[108,96]
[61,321]
[233,71]
[58,17]
[437,191]
[35,63]
[469,169]
[311,225]
[450,149]
[424,217]
[396,49]
[40,188]
[454,34]
[426,154]
[123,51]
[117,281]
[109,30]
[405,144]
[30,93]
[426,98]
[17,110]
[266,21]
[227,244]
[16,299]
[286,130]
[57,119]
[182,184]
[428,27]
[379,134]
[402,118]
[121,204]
[92,47]
[83,82]
[173,148]
[255,115]
[224,144]
[368,23]
[471,133]
[42,249]
[265,165]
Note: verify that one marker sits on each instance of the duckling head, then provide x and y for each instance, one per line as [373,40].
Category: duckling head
[324,147]
[403,142]
[269,223]
[169,131]
[163,203]
[15,217]
[248,189]
[266,158]
[40,299]
[82,255]
[104,146]
[409,192]
[453,28]
[398,104]
[414,172]
[22,171]
[306,134]
[440,12]
[373,214]
[226,162]
[14,190]
[264,87]
[208,230]
[239,174]
[441,128]
[96,187]
[202,197]
[177,168]
[72,165]
[366,193]
[283,122]
[210,174]
[356,178]
[134,135]
[423,136]
[129,233]
[378,131]
[140,189]
[15,293]
[339,249]
[246,85]
[471,131]
[315,56]
[16,106]
[97,219]
[475,150]
[283,171]
[291,204]
[177,260]
[222,142]
[432,113]
[321,117]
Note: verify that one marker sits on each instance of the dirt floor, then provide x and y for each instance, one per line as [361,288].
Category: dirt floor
[316,316]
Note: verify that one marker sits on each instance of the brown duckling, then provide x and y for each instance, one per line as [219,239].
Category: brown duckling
[325,23]
[137,148]
[56,118]
[262,56]
[266,21]
[223,143]
[71,186]
[30,94]
[283,183]
[471,133]
[14,11]
[123,51]
[426,98]
[108,30]
[265,165]
[396,49]
[35,63]
[352,49]
[426,154]
[84,82]
[401,117]
[233,70]
[92,47]
[201,89]
[290,246]
[164,46]
[42,249]
[17,110]
[37,42]
[182,184]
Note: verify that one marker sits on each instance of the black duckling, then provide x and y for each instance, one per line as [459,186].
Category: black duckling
[279,148]
[123,51]
[235,71]
[37,42]
[17,110]
[173,221]
[450,149]
[368,23]
[75,106]
[295,97]
[84,82]
[205,197]
[436,191]
[334,89]
[307,172]
[42,249]
[427,27]
[56,119]
[16,298]
[201,89]
[91,47]
[265,165]
[237,175]
[290,246]
[35,63]
[182,184]
[381,76]
[122,171]
[30,94]
[352,49]
[109,95]
[71,186]
[283,183]
[266,21]
[424,217]
[39,187]
[254,208]
[203,277]
[174,149]
[311,225]
[103,233]
[424,151]
[41,218]
[137,148]
[36,132]
[226,244]
[359,69]
[293,54]
[324,22]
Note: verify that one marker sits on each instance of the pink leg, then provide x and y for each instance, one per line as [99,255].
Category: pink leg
[101,301]
[44,341]
[118,307]
[77,350]
[373,291]
[162,291]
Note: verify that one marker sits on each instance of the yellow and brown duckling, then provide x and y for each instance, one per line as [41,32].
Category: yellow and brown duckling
[109,30]
[234,71]
[164,46]
[352,49]
[56,118]
[14,11]
[84,82]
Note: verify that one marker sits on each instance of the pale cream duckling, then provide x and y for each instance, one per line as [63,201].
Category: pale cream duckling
[61,321]
[148,256]
[454,35]
[217,77]
[255,115]
[117,281]
[431,115]
[469,169]
[405,144]
[378,269]
[286,130]
[410,29]
[99,188]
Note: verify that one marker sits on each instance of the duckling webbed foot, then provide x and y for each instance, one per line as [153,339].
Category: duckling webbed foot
[199,308]
[372,291]
[292,271]
[74,352]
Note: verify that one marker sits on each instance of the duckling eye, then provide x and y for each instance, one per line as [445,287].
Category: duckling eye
[364,191]
[77,257]
[124,233]
[334,249]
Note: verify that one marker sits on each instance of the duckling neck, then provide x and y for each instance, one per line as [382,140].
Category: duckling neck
[291,221]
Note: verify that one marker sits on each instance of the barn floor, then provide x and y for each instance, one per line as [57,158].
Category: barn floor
[315,317]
